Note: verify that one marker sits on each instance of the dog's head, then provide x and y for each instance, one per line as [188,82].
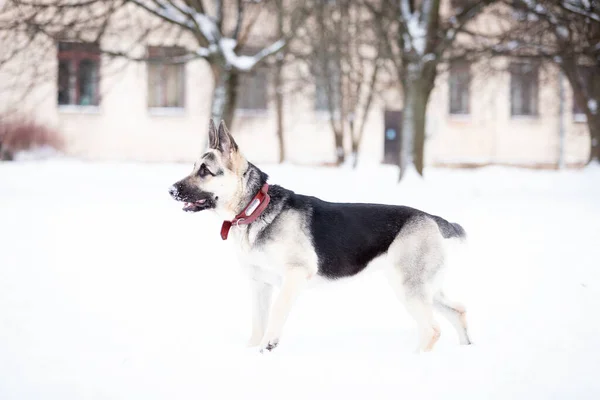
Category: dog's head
[217,180]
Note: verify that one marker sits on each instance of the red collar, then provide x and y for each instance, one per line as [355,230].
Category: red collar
[252,211]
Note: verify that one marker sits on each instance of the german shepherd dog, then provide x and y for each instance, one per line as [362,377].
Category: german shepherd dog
[285,240]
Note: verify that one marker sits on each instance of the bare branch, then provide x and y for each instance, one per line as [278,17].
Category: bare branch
[180,20]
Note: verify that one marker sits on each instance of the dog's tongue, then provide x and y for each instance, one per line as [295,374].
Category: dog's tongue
[190,206]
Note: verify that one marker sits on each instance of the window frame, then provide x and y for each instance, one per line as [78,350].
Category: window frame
[321,84]
[458,67]
[244,109]
[74,55]
[160,64]
[516,70]
[580,115]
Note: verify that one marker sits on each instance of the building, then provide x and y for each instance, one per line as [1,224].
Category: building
[153,111]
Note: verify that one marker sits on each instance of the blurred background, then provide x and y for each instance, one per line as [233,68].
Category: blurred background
[482,112]
[439,83]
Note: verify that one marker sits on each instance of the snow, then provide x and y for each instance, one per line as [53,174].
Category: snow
[207,26]
[512,45]
[429,57]
[417,32]
[203,52]
[39,153]
[242,63]
[109,291]
[246,63]
[562,31]
[191,18]
[577,9]
[167,11]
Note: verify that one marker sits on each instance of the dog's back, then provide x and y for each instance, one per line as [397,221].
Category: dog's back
[348,236]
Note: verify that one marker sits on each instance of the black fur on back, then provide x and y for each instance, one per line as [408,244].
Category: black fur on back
[347,236]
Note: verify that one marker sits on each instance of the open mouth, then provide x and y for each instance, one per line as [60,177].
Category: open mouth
[196,206]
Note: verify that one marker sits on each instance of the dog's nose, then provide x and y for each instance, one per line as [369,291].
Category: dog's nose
[173,191]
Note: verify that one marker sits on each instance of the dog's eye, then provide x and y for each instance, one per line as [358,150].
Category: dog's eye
[203,171]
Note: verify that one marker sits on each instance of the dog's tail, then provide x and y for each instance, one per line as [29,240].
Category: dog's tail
[450,229]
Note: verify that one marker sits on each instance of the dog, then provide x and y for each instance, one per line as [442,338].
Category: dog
[285,240]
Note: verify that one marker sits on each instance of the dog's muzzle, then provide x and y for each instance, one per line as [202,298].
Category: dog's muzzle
[191,205]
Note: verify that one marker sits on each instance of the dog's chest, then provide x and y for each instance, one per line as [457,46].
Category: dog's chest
[264,255]
[274,251]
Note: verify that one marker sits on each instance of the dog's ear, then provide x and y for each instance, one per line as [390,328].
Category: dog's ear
[213,137]
[225,141]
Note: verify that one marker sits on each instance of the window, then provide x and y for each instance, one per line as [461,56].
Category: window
[252,91]
[591,85]
[78,74]
[166,78]
[460,78]
[327,84]
[523,89]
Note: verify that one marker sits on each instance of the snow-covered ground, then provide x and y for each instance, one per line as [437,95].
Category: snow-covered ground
[109,291]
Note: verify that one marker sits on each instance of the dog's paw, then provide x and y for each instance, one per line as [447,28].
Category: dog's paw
[269,346]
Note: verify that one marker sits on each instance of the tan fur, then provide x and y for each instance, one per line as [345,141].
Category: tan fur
[434,338]
[237,163]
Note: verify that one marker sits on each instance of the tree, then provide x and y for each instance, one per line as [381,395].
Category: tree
[566,33]
[343,58]
[220,30]
[278,81]
[418,39]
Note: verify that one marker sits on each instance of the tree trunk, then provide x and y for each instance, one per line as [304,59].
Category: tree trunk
[417,84]
[408,128]
[224,95]
[339,148]
[593,122]
[419,139]
[279,105]
[413,124]
[354,154]
[5,155]
[279,82]
[584,96]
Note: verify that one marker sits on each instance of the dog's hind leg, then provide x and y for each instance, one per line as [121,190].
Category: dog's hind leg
[261,301]
[419,304]
[422,311]
[294,281]
[416,258]
[455,313]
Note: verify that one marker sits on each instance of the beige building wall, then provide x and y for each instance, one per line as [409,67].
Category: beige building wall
[491,135]
[122,127]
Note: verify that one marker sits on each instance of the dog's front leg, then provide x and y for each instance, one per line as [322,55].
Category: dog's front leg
[261,301]
[294,281]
